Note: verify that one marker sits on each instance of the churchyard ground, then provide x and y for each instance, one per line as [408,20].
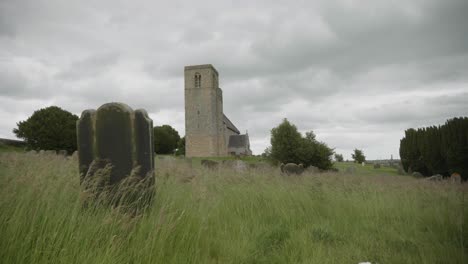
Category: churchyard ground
[223,216]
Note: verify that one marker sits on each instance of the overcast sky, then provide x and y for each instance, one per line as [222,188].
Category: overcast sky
[357,73]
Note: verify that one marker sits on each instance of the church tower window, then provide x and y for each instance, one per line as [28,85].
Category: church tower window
[197,80]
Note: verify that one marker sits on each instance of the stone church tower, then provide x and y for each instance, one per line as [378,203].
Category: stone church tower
[204,127]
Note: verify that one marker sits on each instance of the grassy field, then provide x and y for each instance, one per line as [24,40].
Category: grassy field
[6,148]
[222,216]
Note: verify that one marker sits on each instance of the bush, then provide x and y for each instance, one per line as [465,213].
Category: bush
[289,146]
[50,128]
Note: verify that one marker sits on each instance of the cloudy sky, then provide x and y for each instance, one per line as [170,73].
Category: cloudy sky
[357,73]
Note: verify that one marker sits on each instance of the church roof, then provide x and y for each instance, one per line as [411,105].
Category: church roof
[238,141]
[230,125]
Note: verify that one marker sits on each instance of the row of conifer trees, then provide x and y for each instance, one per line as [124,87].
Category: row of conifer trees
[437,149]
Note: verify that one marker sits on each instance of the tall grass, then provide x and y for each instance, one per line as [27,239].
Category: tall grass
[222,216]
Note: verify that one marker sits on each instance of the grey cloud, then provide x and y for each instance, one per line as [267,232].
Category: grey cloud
[89,67]
[357,73]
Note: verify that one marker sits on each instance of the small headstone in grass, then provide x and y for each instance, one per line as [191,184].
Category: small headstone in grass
[32,152]
[62,152]
[209,164]
[455,178]
[401,171]
[123,138]
[350,170]
[237,165]
[50,152]
[436,177]
[312,170]
[417,175]
[377,166]
[292,168]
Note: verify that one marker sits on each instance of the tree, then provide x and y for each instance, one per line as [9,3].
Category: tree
[285,142]
[288,145]
[315,153]
[358,156]
[166,139]
[181,147]
[339,157]
[50,128]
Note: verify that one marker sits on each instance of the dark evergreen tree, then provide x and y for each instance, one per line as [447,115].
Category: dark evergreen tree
[437,150]
[455,145]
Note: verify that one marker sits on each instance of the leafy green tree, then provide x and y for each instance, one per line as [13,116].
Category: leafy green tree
[50,128]
[315,153]
[358,156]
[288,145]
[285,142]
[339,157]
[166,139]
[181,147]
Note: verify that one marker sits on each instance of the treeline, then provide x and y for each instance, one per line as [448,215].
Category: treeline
[53,128]
[437,149]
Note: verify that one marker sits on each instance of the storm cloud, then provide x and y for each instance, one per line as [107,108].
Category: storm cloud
[357,73]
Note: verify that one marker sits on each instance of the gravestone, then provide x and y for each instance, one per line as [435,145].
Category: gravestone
[455,178]
[118,141]
[209,164]
[292,168]
[237,165]
[350,170]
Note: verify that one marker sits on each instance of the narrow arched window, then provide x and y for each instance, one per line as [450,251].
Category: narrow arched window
[197,80]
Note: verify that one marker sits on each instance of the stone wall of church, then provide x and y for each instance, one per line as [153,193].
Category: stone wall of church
[204,129]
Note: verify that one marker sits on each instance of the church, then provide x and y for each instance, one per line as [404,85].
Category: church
[208,131]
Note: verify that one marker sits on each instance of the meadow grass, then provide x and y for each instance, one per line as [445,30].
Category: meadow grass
[8,148]
[223,216]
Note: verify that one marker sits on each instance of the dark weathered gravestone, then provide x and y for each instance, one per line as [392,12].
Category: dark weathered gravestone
[292,168]
[118,141]
[210,164]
